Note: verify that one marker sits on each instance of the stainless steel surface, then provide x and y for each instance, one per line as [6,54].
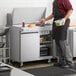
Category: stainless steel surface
[30,46]
[72,40]
[29,14]
[16,71]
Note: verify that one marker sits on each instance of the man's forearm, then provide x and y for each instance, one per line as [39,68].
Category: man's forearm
[49,17]
[68,14]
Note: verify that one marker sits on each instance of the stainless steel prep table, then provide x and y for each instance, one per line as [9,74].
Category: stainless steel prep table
[25,43]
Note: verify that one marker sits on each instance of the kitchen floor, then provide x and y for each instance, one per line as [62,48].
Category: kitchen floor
[35,64]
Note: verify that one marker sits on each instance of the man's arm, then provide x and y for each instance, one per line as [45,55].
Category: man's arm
[68,7]
[42,21]
[49,17]
[68,14]
[66,17]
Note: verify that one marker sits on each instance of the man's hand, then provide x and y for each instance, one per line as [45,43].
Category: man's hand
[62,21]
[41,22]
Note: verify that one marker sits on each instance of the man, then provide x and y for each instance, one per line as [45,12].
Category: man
[62,9]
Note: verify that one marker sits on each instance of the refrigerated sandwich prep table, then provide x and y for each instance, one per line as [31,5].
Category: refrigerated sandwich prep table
[25,42]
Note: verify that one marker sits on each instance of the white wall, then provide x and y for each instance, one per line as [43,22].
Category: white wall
[73,16]
[6,6]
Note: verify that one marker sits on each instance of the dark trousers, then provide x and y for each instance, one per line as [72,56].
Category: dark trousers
[63,51]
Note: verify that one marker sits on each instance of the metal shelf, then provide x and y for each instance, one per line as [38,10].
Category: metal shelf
[4,57]
[4,49]
[46,42]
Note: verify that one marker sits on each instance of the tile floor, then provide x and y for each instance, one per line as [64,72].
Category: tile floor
[35,64]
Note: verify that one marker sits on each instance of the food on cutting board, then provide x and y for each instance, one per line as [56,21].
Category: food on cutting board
[32,25]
